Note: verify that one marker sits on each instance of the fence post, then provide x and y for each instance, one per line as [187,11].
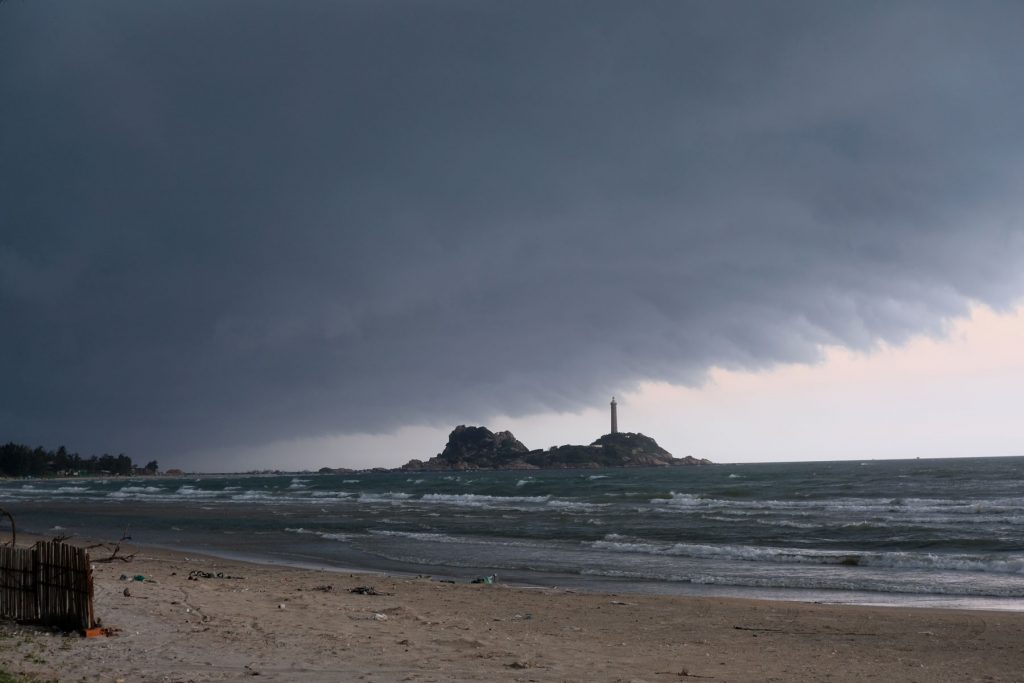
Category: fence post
[37,580]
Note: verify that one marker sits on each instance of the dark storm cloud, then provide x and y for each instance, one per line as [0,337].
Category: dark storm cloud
[226,223]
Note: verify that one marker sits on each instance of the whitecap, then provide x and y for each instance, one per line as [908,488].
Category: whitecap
[574,505]
[478,500]
[389,497]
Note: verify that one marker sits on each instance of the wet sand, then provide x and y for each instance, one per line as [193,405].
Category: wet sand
[276,623]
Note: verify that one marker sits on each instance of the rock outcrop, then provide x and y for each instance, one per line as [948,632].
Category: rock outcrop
[474,448]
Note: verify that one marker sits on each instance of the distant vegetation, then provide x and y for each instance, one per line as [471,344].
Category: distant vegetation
[17,460]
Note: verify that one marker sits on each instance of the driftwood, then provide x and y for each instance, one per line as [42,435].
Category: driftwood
[14,533]
[114,549]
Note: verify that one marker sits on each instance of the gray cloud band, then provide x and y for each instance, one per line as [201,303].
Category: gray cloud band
[234,223]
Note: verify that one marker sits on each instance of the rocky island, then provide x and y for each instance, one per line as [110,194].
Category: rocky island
[477,448]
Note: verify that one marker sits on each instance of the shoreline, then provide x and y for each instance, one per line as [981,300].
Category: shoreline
[290,624]
[607,585]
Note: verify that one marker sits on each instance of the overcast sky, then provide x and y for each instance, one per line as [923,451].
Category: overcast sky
[298,234]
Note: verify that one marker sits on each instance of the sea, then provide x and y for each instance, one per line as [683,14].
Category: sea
[925,533]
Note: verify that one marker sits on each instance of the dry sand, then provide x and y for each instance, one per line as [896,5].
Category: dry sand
[283,624]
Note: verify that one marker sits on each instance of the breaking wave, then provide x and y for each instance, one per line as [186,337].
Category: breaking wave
[895,560]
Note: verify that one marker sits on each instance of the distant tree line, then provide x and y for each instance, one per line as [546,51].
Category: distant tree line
[17,460]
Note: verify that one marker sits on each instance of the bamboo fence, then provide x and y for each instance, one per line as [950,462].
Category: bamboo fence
[49,583]
[18,584]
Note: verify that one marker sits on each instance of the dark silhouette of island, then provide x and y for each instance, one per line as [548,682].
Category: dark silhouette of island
[478,448]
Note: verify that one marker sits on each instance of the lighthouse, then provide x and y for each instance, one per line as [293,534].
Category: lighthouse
[615,418]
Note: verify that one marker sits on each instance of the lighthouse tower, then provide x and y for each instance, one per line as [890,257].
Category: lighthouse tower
[615,418]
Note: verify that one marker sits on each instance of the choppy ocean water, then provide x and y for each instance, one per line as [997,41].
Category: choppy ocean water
[911,532]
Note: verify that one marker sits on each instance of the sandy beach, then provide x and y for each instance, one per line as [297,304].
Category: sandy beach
[234,621]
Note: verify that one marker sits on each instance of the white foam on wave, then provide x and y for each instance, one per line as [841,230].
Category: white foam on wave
[820,581]
[140,493]
[435,537]
[574,505]
[1001,564]
[785,523]
[647,575]
[253,495]
[854,583]
[683,502]
[329,535]
[389,497]
[680,500]
[74,489]
[726,552]
[193,492]
[415,535]
[479,500]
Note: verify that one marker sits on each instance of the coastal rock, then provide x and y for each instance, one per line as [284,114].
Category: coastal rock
[690,460]
[474,448]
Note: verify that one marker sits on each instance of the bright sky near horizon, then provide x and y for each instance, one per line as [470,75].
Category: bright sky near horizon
[253,234]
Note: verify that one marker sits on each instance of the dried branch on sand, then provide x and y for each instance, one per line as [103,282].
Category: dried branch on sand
[115,550]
